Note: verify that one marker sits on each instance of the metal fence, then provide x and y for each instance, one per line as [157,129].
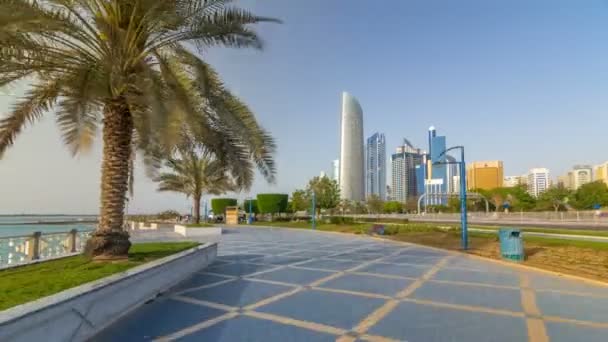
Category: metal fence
[38,246]
[588,217]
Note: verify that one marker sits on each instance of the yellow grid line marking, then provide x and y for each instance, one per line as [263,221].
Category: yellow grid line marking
[346,339]
[386,276]
[205,303]
[415,285]
[296,322]
[464,283]
[574,321]
[196,327]
[391,304]
[464,307]
[355,293]
[375,338]
[268,281]
[537,332]
[272,299]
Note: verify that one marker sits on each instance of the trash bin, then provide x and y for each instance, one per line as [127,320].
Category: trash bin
[511,244]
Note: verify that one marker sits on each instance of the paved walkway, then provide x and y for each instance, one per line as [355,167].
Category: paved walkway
[294,285]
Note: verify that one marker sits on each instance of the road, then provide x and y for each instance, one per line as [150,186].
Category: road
[297,285]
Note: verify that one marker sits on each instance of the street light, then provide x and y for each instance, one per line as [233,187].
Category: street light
[463,194]
[314,210]
[250,218]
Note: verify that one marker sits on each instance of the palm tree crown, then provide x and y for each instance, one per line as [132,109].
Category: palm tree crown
[195,171]
[129,66]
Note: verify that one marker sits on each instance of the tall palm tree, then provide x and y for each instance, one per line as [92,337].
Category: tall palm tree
[129,66]
[194,171]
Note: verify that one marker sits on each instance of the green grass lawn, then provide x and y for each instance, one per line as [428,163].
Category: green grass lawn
[26,283]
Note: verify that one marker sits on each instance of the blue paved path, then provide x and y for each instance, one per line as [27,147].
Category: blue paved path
[294,285]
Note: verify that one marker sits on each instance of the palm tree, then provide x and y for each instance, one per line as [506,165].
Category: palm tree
[195,171]
[130,67]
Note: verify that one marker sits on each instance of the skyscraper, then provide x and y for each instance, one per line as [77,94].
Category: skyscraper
[352,180]
[335,167]
[538,181]
[485,175]
[436,185]
[375,166]
[406,166]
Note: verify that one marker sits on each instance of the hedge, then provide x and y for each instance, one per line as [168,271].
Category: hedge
[218,205]
[254,206]
[272,203]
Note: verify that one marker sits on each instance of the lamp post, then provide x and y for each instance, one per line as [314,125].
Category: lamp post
[314,210]
[206,213]
[250,218]
[463,194]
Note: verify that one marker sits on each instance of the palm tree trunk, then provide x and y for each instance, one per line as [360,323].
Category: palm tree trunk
[197,209]
[110,240]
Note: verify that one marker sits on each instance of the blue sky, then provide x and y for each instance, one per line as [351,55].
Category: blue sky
[521,81]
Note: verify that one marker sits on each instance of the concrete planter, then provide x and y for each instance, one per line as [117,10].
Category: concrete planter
[79,313]
[211,234]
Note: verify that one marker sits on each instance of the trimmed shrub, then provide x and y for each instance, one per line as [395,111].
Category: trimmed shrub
[341,220]
[254,206]
[218,205]
[272,203]
[382,219]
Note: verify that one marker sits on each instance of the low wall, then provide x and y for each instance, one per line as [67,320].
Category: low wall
[210,234]
[79,313]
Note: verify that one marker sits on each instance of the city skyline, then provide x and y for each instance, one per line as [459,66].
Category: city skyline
[497,89]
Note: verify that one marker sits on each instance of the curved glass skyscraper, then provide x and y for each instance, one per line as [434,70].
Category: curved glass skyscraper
[352,179]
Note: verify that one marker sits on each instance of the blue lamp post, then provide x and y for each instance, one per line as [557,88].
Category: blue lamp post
[206,214]
[250,218]
[314,210]
[463,194]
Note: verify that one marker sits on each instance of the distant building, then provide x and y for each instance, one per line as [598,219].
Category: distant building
[511,181]
[322,174]
[436,185]
[405,164]
[580,174]
[335,175]
[375,166]
[352,179]
[485,175]
[452,171]
[564,181]
[455,181]
[538,181]
[600,172]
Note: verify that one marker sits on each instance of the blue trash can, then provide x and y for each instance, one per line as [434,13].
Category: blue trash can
[511,244]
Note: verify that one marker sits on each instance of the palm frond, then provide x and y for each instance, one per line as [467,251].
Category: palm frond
[39,99]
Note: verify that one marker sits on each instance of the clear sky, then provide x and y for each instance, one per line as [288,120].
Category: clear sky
[523,81]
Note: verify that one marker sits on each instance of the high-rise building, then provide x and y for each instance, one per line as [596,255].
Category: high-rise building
[375,166]
[485,175]
[352,180]
[452,170]
[600,172]
[511,181]
[335,167]
[436,185]
[322,174]
[538,181]
[580,174]
[405,164]
[564,181]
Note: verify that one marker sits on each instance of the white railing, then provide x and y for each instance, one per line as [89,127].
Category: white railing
[23,249]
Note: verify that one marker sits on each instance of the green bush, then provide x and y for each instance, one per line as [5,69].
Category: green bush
[341,220]
[272,203]
[167,214]
[218,205]
[254,206]
[382,219]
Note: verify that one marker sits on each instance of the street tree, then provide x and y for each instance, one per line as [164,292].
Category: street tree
[327,192]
